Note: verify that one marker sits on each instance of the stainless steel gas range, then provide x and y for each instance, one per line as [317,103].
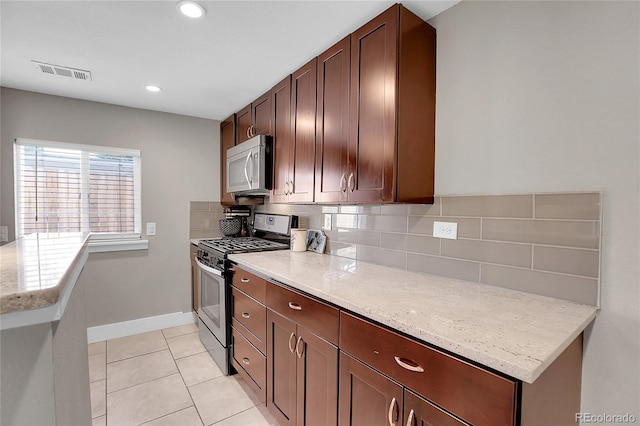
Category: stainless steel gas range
[214,317]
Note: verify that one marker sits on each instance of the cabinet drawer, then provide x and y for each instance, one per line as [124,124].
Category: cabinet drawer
[252,315]
[476,395]
[317,317]
[250,360]
[251,284]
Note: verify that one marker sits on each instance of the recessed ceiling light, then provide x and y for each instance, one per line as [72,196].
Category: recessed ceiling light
[190,8]
[153,88]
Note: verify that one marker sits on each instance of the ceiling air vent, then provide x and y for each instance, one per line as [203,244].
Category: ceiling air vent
[73,73]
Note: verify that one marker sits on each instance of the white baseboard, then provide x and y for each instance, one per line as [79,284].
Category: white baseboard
[141,325]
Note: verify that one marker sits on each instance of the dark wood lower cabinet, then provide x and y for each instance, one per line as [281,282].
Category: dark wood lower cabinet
[420,412]
[367,398]
[302,374]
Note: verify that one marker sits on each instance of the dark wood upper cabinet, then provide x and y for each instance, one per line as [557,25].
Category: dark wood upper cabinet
[282,141]
[332,125]
[392,109]
[303,129]
[227,140]
[254,119]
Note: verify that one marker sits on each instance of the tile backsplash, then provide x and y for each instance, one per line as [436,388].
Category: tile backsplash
[547,244]
[203,219]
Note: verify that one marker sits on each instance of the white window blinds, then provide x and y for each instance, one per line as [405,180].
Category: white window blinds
[61,187]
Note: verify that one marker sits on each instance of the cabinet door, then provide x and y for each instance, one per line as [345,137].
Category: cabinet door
[420,412]
[367,398]
[281,110]
[332,123]
[261,115]
[227,140]
[317,388]
[372,106]
[243,122]
[281,368]
[303,128]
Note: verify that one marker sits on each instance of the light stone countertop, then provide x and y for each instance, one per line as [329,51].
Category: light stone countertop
[516,333]
[35,269]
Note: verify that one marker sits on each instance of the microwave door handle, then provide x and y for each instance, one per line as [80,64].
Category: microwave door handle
[251,172]
[246,174]
[208,268]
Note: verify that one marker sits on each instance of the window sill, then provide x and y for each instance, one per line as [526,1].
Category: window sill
[98,246]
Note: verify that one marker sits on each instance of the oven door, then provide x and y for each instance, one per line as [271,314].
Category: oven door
[213,302]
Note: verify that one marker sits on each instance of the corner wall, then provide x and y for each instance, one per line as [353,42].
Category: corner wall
[180,163]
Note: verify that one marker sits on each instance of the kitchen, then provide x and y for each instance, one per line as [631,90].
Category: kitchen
[520,110]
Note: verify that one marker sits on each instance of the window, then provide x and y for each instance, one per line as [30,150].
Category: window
[69,188]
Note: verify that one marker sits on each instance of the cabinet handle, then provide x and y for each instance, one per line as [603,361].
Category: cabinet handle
[253,131]
[409,364]
[392,411]
[295,306]
[246,361]
[300,347]
[291,339]
[343,183]
[244,280]
[352,183]
[286,188]
[248,135]
[290,187]
[411,418]
[246,315]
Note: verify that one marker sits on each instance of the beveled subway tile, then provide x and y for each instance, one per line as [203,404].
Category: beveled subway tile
[361,209]
[205,233]
[488,251]
[567,260]
[584,234]
[342,250]
[568,206]
[140,369]
[394,209]
[425,209]
[97,348]
[147,401]
[347,221]
[356,236]
[199,205]
[98,391]
[379,256]
[99,421]
[467,227]
[489,206]
[411,243]
[453,268]
[383,223]
[330,209]
[576,289]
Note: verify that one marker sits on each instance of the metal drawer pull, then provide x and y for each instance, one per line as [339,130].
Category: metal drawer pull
[245,280]
[392,411]
[246,315]
[409,364]
[411,418]
[246,361]
[295,306]
[300,347]
[291,339]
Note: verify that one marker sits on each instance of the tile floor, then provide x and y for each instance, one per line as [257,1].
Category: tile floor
[164,378]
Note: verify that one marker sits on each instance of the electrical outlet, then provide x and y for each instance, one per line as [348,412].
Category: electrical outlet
[151,228]
[327,222]
[4,234]
[447,230]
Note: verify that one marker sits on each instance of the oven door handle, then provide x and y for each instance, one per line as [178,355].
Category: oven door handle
[208,269]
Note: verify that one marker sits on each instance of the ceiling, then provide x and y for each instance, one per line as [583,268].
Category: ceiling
[208,67]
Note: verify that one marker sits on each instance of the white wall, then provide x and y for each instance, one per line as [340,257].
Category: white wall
[544,96]
[180,163]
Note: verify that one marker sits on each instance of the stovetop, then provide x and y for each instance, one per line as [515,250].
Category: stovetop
[229,245]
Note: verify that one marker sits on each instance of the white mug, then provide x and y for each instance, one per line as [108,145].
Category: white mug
[298,240]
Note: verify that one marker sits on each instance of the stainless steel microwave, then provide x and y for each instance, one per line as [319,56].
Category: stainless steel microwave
[249,167]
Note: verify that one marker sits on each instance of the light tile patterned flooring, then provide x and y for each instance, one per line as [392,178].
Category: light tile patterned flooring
[164,378]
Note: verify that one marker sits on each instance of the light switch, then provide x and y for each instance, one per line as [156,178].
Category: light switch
[151,228]
[327,222]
